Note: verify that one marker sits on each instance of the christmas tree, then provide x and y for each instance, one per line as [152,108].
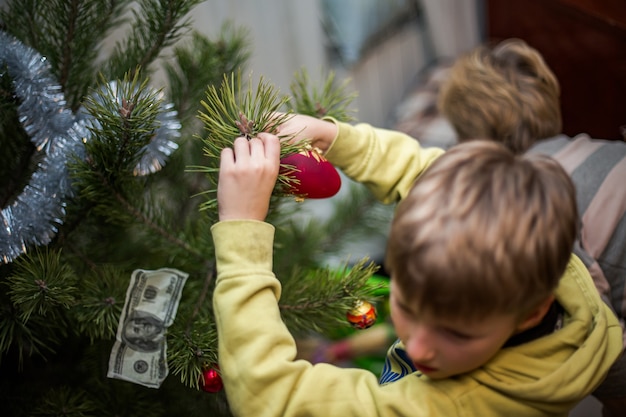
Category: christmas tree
[107,178]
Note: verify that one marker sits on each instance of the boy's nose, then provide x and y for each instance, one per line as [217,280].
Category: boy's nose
[420,346]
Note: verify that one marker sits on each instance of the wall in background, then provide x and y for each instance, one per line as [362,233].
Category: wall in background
[285,35]
[386,43]
[584,42]
[454,26]
[323,35]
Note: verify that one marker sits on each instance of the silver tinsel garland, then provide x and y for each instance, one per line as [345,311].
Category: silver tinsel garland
[36,213]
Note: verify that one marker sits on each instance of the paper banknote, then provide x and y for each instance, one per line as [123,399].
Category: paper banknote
[139,354]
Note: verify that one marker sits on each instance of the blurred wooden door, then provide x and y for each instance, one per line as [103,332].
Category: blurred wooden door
[584,42]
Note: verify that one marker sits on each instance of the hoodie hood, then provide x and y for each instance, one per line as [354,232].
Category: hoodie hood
[553,373]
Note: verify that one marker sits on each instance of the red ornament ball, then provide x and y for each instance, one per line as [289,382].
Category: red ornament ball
[317,177]
[363,315]
[211,379]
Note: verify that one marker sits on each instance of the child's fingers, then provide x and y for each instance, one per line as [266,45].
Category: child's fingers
[241,147]
[256,148]
[227,158]
[271,146]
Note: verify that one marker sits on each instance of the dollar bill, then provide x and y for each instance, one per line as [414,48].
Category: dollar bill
[139,353]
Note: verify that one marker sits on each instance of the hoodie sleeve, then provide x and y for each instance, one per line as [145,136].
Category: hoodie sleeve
[388,162]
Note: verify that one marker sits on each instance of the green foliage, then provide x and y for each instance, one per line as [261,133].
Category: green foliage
[310,301]
[355,218]
[41,285]
[98,310]
[190,350]
[329,100]
[233,110]
[65,401]
[156,25]
[36,337]
[60,304]
[124,127]
[68,33]
[200,62]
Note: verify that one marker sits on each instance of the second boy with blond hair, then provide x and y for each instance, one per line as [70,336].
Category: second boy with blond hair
[508,93]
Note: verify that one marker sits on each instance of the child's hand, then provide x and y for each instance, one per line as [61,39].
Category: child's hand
[247,176]
[320,133]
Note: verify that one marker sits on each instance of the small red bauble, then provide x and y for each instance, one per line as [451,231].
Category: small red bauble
[317,177]
[211,379]
[363,315]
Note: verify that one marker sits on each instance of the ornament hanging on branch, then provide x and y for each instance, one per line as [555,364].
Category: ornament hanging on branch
[311,175]
[231,111]
[211,380]
[362,315]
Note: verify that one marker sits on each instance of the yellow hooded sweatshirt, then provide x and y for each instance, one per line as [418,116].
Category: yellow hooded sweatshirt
[544,377]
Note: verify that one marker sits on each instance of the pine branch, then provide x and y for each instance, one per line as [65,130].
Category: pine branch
[27,339]
[65,401]
[41,284]
[68,33]
[194,337]
[125,120]
[201,62]
[26,23]
[136,226]
[142,218]
[230,112]
[98,310]
[329,100]
[155,26]
[358,216]
[126,113]
[325,295]
[192,350]
[106,182]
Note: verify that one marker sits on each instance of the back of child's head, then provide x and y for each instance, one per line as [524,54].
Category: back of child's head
[483,231]
[507,93]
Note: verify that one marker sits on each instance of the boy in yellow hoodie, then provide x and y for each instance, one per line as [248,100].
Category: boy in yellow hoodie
[494,315]
[508,93]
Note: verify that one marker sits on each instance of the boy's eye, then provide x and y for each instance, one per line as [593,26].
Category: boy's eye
[406,310]
[458,335]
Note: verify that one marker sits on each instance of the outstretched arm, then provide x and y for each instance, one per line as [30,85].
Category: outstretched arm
[386,161]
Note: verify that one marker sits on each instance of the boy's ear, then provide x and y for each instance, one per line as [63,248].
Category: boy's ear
[536,315]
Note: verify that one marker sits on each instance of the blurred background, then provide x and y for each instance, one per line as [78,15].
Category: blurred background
[386,46]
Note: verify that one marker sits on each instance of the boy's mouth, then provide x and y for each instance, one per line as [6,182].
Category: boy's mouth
[423,368]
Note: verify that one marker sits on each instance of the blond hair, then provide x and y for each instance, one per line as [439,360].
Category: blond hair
[483,231]
[506,93]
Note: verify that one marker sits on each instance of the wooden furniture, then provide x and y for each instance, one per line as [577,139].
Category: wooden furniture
[584,42]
